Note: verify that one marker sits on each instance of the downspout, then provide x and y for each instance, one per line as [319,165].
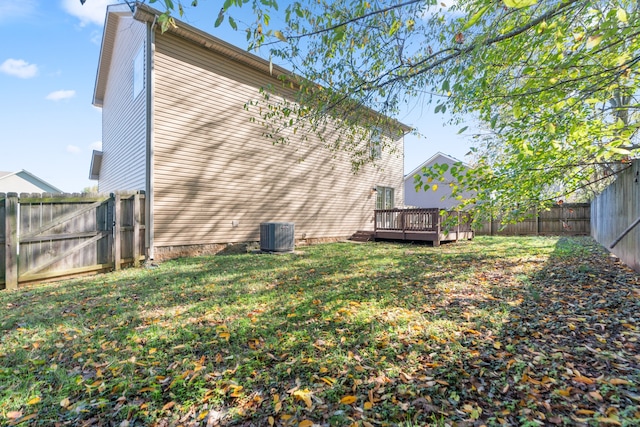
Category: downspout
[150,138]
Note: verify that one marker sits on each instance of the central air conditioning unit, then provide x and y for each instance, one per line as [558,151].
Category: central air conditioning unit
[277,236]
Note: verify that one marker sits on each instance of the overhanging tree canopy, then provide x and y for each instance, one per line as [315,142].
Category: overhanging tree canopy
[552,84]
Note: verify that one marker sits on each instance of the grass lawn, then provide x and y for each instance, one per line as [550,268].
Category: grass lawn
[496,331]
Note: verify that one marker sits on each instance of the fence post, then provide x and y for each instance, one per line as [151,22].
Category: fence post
[438,219]
[375,220]
[136,229]
[11,241]
[117,249]
[491,224]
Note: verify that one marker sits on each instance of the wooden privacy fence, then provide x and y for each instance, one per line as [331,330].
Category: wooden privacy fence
[44,236]
[572,219]
[616,216]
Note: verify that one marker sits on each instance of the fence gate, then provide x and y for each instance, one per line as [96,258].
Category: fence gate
[63,236]
[43,236]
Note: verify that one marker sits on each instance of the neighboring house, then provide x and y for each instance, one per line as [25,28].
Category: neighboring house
[441,197]
[175,126]
[25,182]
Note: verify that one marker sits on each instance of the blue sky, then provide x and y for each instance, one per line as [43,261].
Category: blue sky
[48,59]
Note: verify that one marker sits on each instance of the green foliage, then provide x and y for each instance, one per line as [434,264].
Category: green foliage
[552,85]
[555,98]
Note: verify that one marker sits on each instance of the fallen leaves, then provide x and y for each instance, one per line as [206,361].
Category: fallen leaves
[34,400]
[348,400]
[305,396]
[364,338]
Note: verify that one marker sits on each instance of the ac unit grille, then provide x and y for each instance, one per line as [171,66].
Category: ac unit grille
[277,236]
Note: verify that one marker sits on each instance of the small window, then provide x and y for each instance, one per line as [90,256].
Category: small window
[385,198]
[138,72]
[375,145]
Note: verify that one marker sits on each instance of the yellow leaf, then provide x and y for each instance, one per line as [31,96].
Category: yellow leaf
[236,388]
[34,400]
[278,407]
[565,392]
[497,345]
[621,14]
[27,418]
[585,412]
[305,423]
[618,381]
[272,421]
[519,3]
[224,335]
[611,421]
[368,405]
[65,402]
[348,400]
[595,395]
[583,379]
[280,36]
[304,395]
[168,406]
[434,187]
[328,380]
[593,41]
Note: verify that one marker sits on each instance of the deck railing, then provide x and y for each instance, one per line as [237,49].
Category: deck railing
[419,219]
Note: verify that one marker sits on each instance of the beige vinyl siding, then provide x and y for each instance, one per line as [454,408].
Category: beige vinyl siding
[212,166]
[123,117]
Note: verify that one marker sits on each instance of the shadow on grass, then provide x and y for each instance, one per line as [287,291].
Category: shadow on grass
[466,333]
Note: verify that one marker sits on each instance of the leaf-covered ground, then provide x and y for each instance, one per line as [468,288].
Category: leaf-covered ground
[496,331]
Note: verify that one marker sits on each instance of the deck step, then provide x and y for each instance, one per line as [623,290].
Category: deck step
[362,236]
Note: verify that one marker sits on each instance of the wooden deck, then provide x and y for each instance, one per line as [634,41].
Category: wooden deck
[422,225]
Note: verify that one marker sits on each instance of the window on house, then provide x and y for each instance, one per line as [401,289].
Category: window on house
[138,72]
[385,197]
[375,145]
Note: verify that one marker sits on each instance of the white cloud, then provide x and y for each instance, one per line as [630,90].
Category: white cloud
[96,37]
[10,10]
[19,68]
[96,146]
[73,149]
[60,95]
[92,12]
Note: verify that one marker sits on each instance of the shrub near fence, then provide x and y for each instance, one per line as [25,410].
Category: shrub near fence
[44,236]
[571,219]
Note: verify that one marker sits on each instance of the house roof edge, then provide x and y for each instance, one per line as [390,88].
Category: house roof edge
[432,158]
